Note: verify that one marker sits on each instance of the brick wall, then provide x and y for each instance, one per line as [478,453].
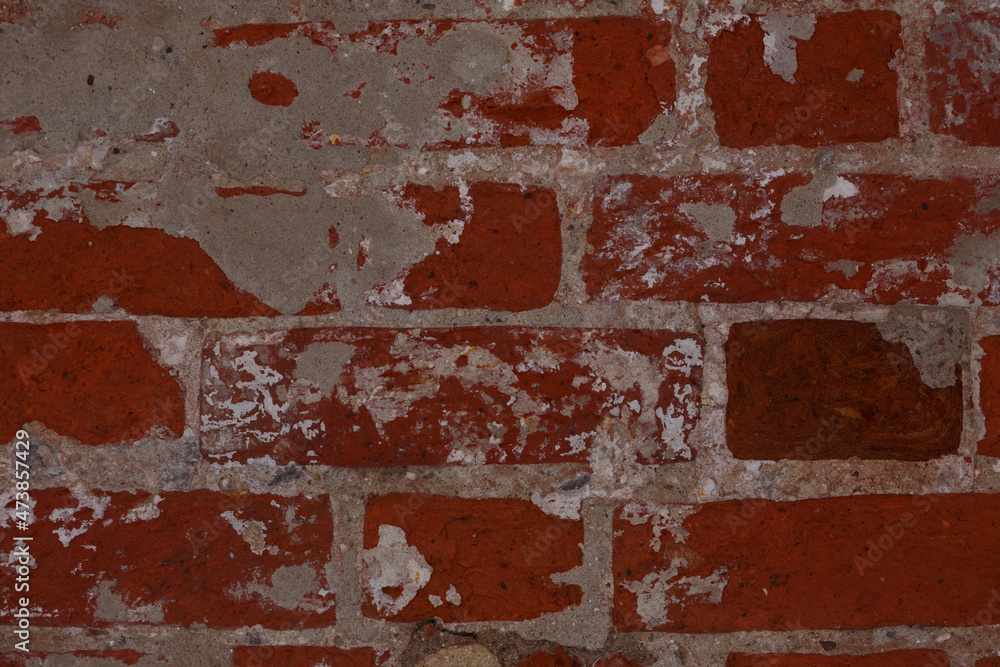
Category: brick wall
[520,333]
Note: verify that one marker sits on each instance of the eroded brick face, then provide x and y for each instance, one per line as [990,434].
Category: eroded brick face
[466,560]
[221,560]
[774,79]
[962,76]
[844,563]
[382,397]
[825,237]
[93,381]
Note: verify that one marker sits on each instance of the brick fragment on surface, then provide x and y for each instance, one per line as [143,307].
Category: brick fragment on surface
[963,82]
[390,397]
[988,662]
[507,254]
[464,560]
[303,656]
[989,395]
[808,80]
[833,389]
[835,563]
[198,557]
[61,261]
[92,381]
[914,658]
[824,237]
[596,81]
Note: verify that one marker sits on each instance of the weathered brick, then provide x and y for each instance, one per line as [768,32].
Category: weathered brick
[904,658]
[558,658]
[874,238]
[989,395]
[808,80]
[988,662]
[833,563]
[461,559]
[216,559]
[108,658]
[963,80]
[915,658]
[391,397]
[303,656]
[68,264]
[594,81]
[833,389]
[93,381]
[507,255]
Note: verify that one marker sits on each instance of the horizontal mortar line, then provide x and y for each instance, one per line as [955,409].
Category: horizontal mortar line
[453,318]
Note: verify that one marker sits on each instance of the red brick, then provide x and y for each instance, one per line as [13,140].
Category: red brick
[182,563]
[273,89]
[70,264]
[833,389]
[989,395]
[559,658]
[110,658]
[14,11]
[962,80]
[93,381]
[899,233]
[915,658]
[303,656]
[620,90]
[988,662]
[833,563]
[23,125]
[434,396]
[508,255]
[755,106]
[487,559]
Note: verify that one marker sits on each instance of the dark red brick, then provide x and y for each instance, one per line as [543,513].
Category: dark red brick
[303,656]
[755,106]
[988,662]
[897,235]
[833,563]
[963,82]
[178,559]
[558,658]
[989,395]
[833,389]
[463,395]
[487,559]
[93,381]
[915,658]
[508,255]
